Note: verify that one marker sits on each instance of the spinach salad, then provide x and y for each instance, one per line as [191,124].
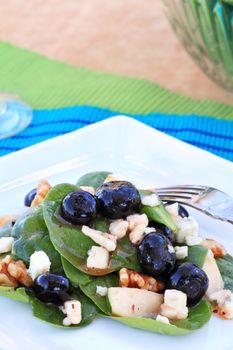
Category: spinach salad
[103,248]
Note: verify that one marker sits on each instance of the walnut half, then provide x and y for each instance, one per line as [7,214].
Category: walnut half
[41,192]
[217,248]
[7,219]
[133,279]
[13,273]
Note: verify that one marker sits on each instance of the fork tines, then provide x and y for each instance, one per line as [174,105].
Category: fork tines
[184,192]
[189,189]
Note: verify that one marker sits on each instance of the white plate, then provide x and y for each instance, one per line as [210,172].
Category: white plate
[149,158]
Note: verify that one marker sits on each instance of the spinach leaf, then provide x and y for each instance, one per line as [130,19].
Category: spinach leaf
[50,313]
[73,245]
[18,294]
[157,213]
[53,315]
[198,316]
[94,179]
[100,225]
[197,255]
[124,256]
[89,283]
[225,266]
[31,235]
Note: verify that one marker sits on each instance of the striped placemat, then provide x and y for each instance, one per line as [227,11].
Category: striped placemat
[65,98]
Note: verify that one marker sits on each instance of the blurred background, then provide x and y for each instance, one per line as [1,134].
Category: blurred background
[128,37]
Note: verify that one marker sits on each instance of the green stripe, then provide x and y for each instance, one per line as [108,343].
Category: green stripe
[47,83]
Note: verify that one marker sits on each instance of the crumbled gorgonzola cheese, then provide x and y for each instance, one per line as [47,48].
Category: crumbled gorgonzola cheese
[6,244]
[175,305]
[73,310]
[181,252]
[119,228]
[103,291]
[191,240]
[104,239]
[221,296]
[186,227]
[137,234]
[98,258]
[149,230]
[39,263]
[151,200]
[137,219]
[162,319]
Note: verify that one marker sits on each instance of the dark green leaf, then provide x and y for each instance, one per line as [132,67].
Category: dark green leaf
[32,235]
[89,283]
[225,266]
[148,324]
[124,256]
[94,179]
[73,245]
[197,255]
[18,294]
[51,314]
[100,225]
[159,214]
[198,316]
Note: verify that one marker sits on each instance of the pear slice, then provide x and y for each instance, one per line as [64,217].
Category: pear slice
[211,269]
[133,302]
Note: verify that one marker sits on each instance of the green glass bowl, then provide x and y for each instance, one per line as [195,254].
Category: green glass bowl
[205,28]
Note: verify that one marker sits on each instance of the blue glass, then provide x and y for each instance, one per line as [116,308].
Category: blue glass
[15,116]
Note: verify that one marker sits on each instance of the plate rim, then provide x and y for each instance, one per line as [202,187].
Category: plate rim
[121,119]
[124,121]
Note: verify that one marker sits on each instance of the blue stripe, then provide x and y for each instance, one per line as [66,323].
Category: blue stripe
[196,131]
[195,143]
[205,132]
[167,130]
[9,149]
[75,121]
[212,147]
[41,134]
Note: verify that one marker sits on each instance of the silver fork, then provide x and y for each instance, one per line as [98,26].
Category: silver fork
[208,200]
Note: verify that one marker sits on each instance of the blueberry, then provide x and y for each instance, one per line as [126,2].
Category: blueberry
[164,230]
[191,280]
[118,199]
[156,255]
[182,211]
[51,288]
[79,207]
[29,197]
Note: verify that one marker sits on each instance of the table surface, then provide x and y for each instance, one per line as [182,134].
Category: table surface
[129,37]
